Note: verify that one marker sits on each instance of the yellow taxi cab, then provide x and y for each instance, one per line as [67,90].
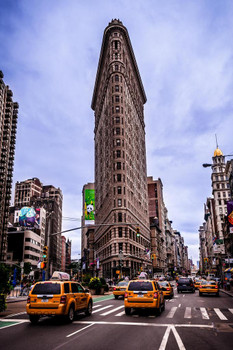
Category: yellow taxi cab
[197,283]
[120,289]
[144,294]
[210,287]
[58,297]
[166,288]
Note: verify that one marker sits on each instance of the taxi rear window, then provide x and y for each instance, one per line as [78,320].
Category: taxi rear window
[141,286]
[47,288]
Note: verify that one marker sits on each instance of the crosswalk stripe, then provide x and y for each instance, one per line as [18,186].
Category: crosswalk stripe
[204,313]
[231,310]
[102,308]
[121,313]
[187,313]
[113,310]
[220,314]
[95,306]
[172,312]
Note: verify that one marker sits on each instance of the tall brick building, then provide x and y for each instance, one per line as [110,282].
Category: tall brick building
[8,127]
[120,158]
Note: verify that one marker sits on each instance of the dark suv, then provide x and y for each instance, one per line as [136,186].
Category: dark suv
[185,285]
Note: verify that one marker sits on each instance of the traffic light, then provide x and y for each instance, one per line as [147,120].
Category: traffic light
[45,253]
[138,231]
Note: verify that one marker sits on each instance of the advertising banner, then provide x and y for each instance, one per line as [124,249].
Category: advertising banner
[89,207]
[230,213]
[29,217]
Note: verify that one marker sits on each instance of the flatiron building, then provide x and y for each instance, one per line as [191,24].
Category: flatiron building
[120,159]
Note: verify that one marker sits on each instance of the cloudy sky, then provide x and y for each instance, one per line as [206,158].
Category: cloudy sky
[49,52]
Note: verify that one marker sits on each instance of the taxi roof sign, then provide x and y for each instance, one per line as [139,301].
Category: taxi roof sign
[61,276]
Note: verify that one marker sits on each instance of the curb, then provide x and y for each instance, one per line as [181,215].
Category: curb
[226,292]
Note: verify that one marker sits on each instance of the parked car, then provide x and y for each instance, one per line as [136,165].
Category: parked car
[185,285]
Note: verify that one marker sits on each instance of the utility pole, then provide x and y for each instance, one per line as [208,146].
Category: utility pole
[48,245]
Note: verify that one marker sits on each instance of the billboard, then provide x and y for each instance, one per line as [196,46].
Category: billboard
[230,213]
[29,217]
[89,207]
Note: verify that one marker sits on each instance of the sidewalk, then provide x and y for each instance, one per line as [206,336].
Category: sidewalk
[230,293]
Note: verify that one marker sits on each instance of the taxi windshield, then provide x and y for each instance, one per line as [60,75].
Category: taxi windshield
[46,288]
[141,286]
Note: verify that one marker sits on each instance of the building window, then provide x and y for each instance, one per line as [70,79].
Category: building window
[117,98]
[117,77]
[119,177]
[118,120]
[116,67]
[117,88]
[118,165]
[118,153]
[118,131]
[118,189]
[120,231]
[118,142]
[119,203]
[117,109]
[119,217]
[120,247]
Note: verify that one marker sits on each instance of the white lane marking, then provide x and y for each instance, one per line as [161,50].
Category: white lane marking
[102,308]
[179,305]
[204,313]
[178,338]
[220,314]
[231,310]
[145,324]
[95,306]
[187,313]
[172,312]
[121,313]
[183,295]
[20,313]
[165,339]
[113,310]
[80,330]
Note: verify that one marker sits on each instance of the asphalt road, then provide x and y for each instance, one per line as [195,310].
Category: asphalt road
[189,322]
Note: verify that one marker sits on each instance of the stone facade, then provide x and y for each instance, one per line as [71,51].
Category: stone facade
[120,158]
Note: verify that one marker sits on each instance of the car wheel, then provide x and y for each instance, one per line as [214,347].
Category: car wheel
[193,291]
[127,310]
[34,319]
[70,315]
[116,296]
[88,311]
[217,294]
[200,294]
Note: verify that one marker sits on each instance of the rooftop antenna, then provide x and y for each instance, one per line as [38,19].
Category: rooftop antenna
[216,140]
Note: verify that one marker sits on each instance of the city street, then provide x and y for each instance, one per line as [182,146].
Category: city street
[188,322]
